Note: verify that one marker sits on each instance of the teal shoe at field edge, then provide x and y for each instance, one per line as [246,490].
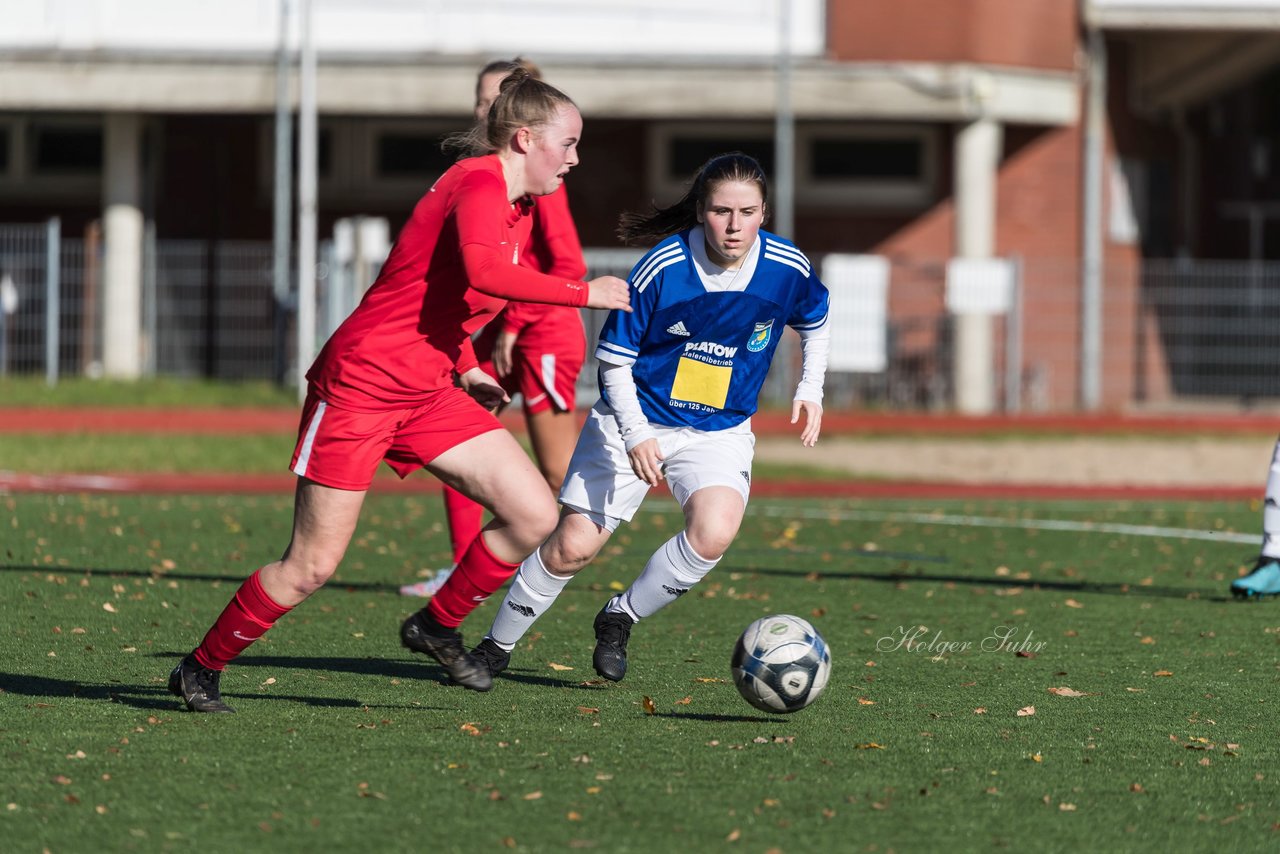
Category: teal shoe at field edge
[1263,581]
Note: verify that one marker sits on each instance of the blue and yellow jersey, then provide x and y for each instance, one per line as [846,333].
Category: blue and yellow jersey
[699,357]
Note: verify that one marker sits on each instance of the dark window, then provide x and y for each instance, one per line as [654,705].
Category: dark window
[868,159]
[403,155]
[67,150]
[688,153]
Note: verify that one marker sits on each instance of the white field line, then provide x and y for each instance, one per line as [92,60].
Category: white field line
[1026,524]
[995,522]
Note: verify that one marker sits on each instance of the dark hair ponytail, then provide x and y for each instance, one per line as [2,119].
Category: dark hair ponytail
[664,222]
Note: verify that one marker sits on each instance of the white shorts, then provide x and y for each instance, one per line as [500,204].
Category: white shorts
[601,485]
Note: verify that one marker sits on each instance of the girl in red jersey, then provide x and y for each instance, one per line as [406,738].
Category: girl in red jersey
[537,349]
[383,389]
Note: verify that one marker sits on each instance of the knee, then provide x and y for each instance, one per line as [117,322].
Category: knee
[710,542]
[565,554]
[535,522]
[306,575]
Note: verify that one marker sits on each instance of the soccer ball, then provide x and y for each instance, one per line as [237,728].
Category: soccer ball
[781,664]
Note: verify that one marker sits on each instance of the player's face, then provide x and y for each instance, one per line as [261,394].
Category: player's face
[487,93]
[731,218]
[552,151]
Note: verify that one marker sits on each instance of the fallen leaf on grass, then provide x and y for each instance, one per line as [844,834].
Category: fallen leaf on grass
[686,701]
[108,607]
[555,666]
[870,745]
[1064,691]
[1071,603]
[1067,807]
[362,789]
[1163,673]
[1026,711]
[648,706]
[588,710]
[863,701]
[470,729]
[533,796]
[734,835]
[981,710]
[705,679]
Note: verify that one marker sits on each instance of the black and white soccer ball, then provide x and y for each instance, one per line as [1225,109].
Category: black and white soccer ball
[781,664]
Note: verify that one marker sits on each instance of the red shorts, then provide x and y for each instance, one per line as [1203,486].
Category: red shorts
[544,368]
[342,449]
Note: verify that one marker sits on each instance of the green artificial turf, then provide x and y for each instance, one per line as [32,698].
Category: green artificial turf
[1160,735]
[157,392]
[252,453]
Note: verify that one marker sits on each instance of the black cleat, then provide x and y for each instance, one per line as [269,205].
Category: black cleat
[421,633]
[613,630]
[198,686]
[494,657]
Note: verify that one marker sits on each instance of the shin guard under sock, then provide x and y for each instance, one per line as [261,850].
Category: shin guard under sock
[245,619]
[479,574]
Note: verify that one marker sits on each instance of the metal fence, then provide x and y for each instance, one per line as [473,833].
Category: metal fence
[1173,332]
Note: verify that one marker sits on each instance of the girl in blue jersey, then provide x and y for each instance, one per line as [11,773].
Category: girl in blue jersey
[680,377]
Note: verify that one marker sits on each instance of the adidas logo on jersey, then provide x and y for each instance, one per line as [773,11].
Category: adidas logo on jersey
[677,328]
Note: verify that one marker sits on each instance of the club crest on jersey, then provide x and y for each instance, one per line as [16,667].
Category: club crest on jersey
[760,336]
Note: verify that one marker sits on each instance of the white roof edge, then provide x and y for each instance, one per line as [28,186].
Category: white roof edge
[1212,15]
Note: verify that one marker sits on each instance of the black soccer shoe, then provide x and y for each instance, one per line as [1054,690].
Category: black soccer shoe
[613,630]
[421,633]
[492,656]
[198,686]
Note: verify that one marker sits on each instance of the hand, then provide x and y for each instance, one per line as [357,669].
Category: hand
[503,346]
[812,420]
[484,388]
[646,462]
[609,292]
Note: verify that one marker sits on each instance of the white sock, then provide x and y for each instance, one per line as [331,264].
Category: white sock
[673,569]
[1271,509]
[532,592]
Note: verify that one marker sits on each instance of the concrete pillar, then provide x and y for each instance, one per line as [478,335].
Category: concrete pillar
[977,161]
[122,247]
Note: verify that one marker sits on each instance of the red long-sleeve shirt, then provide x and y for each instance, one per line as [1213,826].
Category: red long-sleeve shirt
[555,249]
[450,271]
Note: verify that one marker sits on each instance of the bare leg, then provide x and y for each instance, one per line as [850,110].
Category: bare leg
[553,436]
[494,470]
[324,520]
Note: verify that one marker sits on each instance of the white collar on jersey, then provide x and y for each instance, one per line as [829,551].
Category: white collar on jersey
[717,278]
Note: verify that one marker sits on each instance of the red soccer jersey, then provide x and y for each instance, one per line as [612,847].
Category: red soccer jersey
[450,270]
[554,249]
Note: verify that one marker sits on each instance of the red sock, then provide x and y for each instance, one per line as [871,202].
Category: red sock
[478,576]
[465,517]
[245,619]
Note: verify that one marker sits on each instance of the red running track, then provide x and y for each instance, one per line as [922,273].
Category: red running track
[233,421]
